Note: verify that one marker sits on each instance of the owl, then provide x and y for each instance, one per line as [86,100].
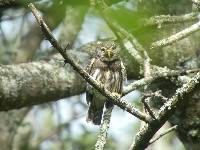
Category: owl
[108,69]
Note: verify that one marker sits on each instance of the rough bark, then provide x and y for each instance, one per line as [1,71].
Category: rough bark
[38,82]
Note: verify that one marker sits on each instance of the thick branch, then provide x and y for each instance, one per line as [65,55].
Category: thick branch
[37,82]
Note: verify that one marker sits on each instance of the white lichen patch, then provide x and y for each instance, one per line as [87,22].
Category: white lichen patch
[10,87]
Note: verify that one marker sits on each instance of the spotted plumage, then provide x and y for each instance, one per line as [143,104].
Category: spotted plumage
[108,69]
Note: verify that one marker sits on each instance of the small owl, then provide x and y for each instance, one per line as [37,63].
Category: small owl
[107,69]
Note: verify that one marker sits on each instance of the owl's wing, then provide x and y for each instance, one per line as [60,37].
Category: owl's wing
[89,68]
[118,75]
[90,65]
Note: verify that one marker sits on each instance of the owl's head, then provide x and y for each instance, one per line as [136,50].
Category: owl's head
[108,50]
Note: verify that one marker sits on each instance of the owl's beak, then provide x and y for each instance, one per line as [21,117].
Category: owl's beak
[109,53]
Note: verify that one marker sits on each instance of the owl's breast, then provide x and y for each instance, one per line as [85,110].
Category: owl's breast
[108,77]
[108,74]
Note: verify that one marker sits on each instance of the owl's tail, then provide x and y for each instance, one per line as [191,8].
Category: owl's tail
[94,114]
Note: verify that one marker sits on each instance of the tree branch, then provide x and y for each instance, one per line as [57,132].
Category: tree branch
[147,107]
[176,37]
[162,134]
[37,82]
[102,136]
[159,20]
[158,73]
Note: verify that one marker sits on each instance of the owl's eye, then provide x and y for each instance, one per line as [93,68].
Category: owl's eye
[103,49]
[113,46]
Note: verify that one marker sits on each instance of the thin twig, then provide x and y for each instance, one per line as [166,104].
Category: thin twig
[162,134]
[147,65]
[147,107]
[102,136]
[176,37]
[160,73]
[147,74]
[116,100]
[159,20]
[137,84]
